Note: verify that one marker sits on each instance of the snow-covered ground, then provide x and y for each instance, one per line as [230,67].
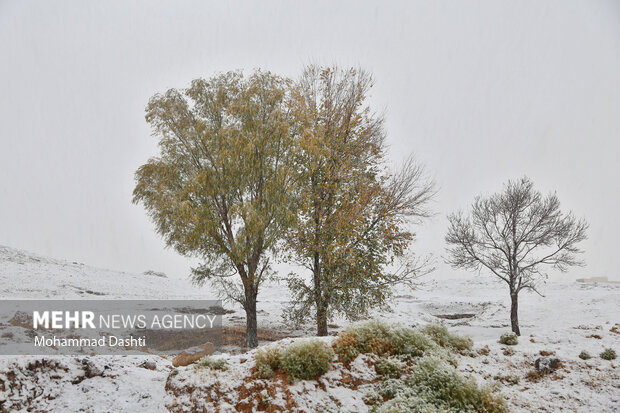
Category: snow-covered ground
[570,318]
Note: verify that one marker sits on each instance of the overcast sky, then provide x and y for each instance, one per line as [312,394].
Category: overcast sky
[480,91]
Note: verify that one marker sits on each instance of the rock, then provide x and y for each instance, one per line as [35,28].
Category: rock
[155,273]
[149,365]
[546,364]
[192,355]
[21,319]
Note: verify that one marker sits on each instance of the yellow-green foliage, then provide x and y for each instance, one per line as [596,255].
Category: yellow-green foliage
[441,336]
[408,341]
[389,367]
[267,360]
[215,364]
[443,386]
[306,359]
[509,339]
[433,387]
[382,339]
[608,354]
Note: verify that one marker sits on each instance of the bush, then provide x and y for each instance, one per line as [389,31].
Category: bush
[608,354]
[509,339]
[372,398]
[507,351]
[390,367]
[267,360]
[345,346]
[306,359]
[215,364]
[371,336]
[584,355]
[511,379]
[440,335]
[391,388]
[408,404]
[440,384]
[484,351]
[407,341]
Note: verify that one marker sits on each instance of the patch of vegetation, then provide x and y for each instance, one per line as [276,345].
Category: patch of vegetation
[608,354]
[408,341]
[389,367]
[371,336]
[484,351]
[436,386]
[510,379]
[372,397]
[382,339]
[267,360]
[445,339]
[509,339]
[306,359]
[417,367]
[535,375]
[208,362]
[345,346]
[507,351]
[584,355]
[391,388]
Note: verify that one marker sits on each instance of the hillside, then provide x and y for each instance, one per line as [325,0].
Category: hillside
[570,318]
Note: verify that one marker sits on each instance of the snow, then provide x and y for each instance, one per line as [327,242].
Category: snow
[566,321]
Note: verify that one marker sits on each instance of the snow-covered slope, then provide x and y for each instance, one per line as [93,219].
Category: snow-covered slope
[570,318]
[27,275]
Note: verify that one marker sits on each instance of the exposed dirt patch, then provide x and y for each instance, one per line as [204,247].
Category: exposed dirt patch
[456,316]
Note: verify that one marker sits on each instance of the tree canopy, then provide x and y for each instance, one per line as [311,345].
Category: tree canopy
[516,235]
[220,187]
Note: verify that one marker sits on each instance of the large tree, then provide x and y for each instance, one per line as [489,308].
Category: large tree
[351,229]
[515,235]
[219,189]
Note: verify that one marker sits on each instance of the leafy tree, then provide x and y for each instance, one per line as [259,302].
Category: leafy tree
[515,235]
[350,231]
[219,189]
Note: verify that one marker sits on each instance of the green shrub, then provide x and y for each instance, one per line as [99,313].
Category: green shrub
[389,367]
[391,388]
[371,336]
[608,354]
[372,398]
[584,355]
[440,384]
[345,346]
[267,360]
[408,404]
[215,364]
[440,335]
[306,359]
[407,341]
[509,339]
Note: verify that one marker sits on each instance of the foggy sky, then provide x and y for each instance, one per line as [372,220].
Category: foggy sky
[480,91]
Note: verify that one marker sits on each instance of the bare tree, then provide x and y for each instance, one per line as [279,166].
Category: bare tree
[515,234]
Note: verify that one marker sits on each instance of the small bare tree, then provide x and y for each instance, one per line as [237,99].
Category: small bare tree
[515,235]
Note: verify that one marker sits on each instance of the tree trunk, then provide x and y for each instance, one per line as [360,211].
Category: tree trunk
[319,299]
[251,334]
[321,319]
[514,313]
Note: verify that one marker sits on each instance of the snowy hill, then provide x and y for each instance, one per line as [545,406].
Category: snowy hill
[570,318]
